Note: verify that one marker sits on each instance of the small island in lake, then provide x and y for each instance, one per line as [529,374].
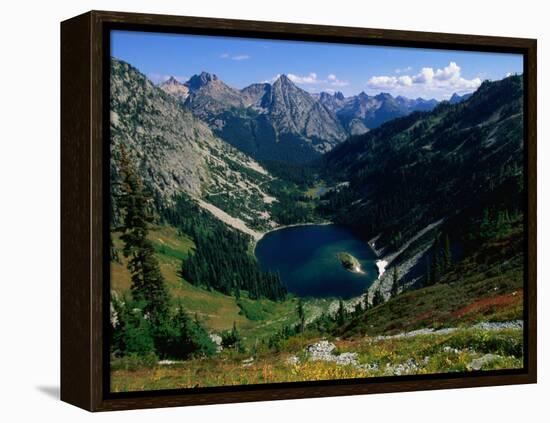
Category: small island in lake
[349,262]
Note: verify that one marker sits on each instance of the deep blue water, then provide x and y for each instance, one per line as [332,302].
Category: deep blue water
[306,259]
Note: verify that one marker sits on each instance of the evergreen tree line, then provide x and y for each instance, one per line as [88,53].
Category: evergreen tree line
[476,226]
[175,335]
[303,174]
[440,260]
[145,323]
[220,260]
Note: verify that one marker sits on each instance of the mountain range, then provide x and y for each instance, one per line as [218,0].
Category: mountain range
[360,113]
[175,152]
[203,137]
[434,172]
[281,122]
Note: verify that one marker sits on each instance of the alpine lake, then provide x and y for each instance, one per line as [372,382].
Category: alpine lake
[309,260]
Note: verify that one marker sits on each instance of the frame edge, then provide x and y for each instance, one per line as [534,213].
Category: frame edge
[82,219]
[76,269]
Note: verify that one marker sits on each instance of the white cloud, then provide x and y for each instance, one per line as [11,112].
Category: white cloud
[272,80]
[425,76]
[405,80]
[335,82]
[311,78]
[430,82]
[448,73]
[389,82]
[236,57]
[403,70]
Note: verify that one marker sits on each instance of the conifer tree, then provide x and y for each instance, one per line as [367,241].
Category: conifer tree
[232,338]
[341,314]
[147,282]
[301,314]
[395,283]
[428,281]
[366,300]
[358,310]
[435,264]
[377,298]
[447,257]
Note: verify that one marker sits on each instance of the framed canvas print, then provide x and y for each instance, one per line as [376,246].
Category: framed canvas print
[256,211]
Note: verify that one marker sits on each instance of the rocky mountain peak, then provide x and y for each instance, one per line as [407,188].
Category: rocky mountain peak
[283,78]
[339,95]
[457,98]
[383,96]
[175,88]
[326,96]
[171,81]
[283,81]
[198,81]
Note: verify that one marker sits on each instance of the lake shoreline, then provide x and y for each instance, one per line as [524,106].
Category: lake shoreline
[278,228]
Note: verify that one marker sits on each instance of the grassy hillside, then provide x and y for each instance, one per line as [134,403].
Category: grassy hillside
[460,351]
[480,288]
[486,286]
[254,318]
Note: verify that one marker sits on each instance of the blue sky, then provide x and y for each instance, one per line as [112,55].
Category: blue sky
[313,66]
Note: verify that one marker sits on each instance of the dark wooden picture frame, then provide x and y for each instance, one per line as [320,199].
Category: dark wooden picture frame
[84,240]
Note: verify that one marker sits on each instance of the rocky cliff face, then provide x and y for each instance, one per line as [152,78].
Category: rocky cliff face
[294,111]
[253,94]
[176,152]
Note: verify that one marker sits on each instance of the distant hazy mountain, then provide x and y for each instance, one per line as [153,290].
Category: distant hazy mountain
[362,112]
[456,98]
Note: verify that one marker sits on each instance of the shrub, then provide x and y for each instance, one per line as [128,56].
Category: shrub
[503,342]
[232,339]
[132,333]
[177,336]
[181,337]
